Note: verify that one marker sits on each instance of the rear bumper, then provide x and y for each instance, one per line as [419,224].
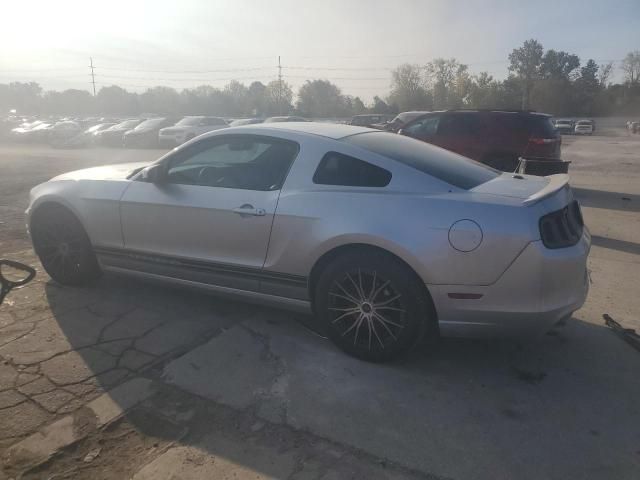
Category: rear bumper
[541,287]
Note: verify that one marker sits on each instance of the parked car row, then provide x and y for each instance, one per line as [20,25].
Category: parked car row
[145,132]
[575,127]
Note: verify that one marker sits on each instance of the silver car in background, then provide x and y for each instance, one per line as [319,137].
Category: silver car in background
[384,238]
[188,128]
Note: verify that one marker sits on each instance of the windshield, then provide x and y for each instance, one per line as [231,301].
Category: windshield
[447,166]
[126,124]
[189,122]
[151,123]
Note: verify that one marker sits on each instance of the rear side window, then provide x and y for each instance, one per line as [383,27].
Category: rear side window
[338,169]
[447,166]
[459,124]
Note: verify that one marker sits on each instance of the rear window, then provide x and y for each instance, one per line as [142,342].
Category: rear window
[541,127]
[447,166]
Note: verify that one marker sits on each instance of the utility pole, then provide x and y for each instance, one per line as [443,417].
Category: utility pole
[93,77]
[279,86]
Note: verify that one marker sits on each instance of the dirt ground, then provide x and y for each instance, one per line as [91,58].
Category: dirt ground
[236,391]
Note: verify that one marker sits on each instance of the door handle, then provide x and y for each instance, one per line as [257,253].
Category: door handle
[248,209]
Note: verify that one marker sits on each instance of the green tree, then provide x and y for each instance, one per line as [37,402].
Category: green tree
[358,106]
[484,91]
[526,63]
[409,88]
[380,106]
[25,97]
[321,98]
[257,98]
[558,64]
[236,99]
[450,82]
[278,98]
[115,100]
[160,100]
[68,102]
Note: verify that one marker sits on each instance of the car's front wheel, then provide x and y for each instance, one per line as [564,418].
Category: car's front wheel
[63,246]
[372,306]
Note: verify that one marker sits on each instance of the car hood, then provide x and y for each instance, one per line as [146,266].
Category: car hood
[512,185]
[120,171]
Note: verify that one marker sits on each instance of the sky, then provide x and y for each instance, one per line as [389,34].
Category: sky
[354,43]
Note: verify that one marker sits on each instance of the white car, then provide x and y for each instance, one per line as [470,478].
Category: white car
[385,238]
[188,128]
[584,127]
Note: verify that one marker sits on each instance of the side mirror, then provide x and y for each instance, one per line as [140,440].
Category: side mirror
[400,131]
[155,174]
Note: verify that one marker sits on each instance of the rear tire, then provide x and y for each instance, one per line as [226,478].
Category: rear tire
[63,246]
[372,306]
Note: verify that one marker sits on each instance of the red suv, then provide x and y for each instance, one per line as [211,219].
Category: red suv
[494,137]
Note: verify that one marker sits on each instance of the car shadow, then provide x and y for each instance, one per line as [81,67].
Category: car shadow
[528,406]
[607,200]
[615,244]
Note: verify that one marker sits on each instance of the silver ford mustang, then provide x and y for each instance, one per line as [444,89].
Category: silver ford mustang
[385,238]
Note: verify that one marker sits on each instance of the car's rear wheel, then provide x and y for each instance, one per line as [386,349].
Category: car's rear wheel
[372,306]
[63,246]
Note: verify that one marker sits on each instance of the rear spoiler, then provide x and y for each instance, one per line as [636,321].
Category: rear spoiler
[556,182]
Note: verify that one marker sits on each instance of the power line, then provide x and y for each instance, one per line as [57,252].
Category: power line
[339,68]
[224,70]
[205,79]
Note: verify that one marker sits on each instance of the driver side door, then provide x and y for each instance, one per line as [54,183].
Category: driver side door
[209,219]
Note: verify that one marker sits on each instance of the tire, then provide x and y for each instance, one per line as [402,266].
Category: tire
[63,246]
[346,295]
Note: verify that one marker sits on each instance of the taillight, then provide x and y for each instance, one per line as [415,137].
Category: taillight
[562,228]
[542,141]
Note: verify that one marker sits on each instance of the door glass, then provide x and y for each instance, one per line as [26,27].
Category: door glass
[459,125]
[425,127]
[242,162]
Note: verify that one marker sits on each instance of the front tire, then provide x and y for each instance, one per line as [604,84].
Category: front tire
[372,306]
[63,246]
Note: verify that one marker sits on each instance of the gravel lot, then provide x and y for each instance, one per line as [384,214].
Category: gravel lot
[207,388]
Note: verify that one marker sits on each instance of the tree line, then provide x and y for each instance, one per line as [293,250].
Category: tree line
[551,81]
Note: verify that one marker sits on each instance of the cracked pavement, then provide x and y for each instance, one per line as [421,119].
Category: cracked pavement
[239,391]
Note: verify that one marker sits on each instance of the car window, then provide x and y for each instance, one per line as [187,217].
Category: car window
[447,166]
[213,121]
[189,122]
[338,169]
[151,123]
[424,127]
[541,126]
[242,161]
[459,124]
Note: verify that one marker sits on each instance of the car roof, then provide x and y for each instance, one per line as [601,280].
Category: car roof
[335,131]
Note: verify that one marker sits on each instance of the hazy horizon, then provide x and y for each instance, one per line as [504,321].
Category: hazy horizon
[355,44]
